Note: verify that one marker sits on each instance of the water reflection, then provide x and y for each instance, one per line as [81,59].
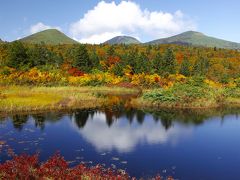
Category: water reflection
[124,137]
[110,117]
[124,129]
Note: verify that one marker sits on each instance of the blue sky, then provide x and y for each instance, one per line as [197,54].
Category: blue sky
[95,21]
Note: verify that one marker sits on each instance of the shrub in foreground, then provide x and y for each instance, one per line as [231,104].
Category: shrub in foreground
[28,167]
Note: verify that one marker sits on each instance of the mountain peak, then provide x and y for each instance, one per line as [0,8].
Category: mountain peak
[49,36]
[123,40]
[196,39]
[193,32]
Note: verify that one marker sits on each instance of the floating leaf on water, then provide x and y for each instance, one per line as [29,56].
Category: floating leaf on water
[124,162]
[21,142]
[115,158]
[79,157]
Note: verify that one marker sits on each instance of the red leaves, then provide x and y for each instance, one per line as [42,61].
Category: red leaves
[28,167]
[113,60]
[75,72]
[56,166]
[156,79]
[21,167]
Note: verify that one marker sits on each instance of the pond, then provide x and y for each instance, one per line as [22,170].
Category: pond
[184,144]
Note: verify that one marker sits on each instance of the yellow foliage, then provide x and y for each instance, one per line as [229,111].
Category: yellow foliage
[213,84]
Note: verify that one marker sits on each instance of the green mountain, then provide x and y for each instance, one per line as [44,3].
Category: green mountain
[122,40]
[50,36]
[197,39]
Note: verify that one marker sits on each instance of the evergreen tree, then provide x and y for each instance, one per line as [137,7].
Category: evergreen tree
[17,55]
[158,64]
[142,64]
[94,59]
[131,58]
[185,67]
[169,62]
[39,55]
[81,58]
[201,66]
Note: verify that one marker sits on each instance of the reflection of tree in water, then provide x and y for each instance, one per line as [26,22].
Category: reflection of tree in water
[19,121]
[130,115]
[167,117]
[140,115]
[39,121]
[81,117]
[109,117]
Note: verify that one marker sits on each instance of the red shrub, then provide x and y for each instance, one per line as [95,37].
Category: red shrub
[75,72]
[28,167]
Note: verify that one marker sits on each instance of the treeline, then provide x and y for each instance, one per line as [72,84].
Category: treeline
[216,64]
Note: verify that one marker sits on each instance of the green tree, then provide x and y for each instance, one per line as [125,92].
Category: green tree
[131,58]
[142,64]
[169,62]
[185,67]
[94,59]
[81,58]
[38,55]
[17,55]
[201,66]
[158,64]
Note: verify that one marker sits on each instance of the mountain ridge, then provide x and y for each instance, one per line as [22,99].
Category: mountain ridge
[195,38]
[49,36]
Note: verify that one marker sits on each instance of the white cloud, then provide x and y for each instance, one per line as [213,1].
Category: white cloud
[40,27]
[106,20]
[125,138]
[98,38]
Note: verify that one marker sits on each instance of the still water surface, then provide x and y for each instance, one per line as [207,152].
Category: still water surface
[186,145]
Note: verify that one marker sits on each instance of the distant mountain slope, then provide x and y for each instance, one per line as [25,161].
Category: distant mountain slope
[50,36]
[122,40]
[196,39]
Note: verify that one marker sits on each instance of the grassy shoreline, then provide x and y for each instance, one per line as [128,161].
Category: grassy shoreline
[16,99]
[23,98]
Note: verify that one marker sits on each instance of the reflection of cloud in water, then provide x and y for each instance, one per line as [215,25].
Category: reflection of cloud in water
[125,137]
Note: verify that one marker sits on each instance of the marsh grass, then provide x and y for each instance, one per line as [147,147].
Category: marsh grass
[23,98]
